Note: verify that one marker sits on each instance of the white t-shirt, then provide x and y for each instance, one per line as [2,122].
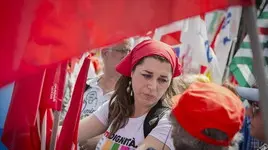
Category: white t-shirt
[132,135]
[93,98]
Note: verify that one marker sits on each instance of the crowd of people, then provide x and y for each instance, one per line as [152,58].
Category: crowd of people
[142,101]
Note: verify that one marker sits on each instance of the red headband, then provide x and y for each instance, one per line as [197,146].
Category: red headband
[148,48]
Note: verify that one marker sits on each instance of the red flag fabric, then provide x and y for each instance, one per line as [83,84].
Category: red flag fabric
[69,132]
[36,34]
[172,38]
[19,130]
[44,124]
[30,119]
[53,89]
[51,100]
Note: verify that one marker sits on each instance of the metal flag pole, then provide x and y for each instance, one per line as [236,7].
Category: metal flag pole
[57,112]
[250,19]
[235,38]
[55,127]
[231,54]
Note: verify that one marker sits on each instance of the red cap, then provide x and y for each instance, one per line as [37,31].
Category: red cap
[209,106]
[148,48]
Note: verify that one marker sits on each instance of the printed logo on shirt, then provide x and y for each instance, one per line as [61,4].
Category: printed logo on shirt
[89,104]
[117,142]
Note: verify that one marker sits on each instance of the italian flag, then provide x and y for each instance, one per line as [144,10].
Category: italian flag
[242,63]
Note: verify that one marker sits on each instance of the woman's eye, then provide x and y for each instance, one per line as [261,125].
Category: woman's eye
[147,76]
[162,80]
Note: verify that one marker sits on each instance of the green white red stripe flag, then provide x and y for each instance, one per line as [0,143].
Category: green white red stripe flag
[242,63]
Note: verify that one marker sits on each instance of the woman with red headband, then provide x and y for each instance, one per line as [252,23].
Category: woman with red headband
[128,120]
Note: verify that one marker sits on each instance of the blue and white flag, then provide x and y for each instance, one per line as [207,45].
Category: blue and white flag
[228,33]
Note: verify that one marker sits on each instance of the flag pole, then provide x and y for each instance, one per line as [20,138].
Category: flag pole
[55,130]
[231,54]
[250,19]
[235,40]
[57,112]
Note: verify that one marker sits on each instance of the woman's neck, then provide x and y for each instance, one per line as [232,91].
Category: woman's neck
[107,83]
[140,110]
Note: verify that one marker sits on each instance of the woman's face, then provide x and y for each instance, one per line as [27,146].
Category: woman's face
[256,122]
[150,81]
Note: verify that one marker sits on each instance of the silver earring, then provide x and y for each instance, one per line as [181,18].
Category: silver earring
[129,90]
[131,93]
[128,87]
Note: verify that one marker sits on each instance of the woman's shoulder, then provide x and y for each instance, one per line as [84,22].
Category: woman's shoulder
[165,119]
[163,130]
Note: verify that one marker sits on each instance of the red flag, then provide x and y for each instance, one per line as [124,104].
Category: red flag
[53,89]
[69,132]
[19,130]
[172,38]
[51,99]
[36,34]
[44,124]
[28,127]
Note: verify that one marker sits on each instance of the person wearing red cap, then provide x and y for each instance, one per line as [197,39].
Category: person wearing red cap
[207,116]
[146,82]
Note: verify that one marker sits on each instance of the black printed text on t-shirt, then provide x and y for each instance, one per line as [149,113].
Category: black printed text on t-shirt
[130,142]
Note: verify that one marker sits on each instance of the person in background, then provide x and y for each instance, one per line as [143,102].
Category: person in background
[256,128]
[249,142]
[100,89]
[182,82]
[207,116]
[146,83]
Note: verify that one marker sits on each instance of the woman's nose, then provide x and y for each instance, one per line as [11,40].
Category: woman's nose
[152,84]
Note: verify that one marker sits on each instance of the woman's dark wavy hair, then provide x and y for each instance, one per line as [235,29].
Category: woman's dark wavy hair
[121,105]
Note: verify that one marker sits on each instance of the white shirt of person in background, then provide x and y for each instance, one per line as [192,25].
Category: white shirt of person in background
[93,97]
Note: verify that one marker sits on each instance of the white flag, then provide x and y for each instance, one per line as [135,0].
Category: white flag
[227,34]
